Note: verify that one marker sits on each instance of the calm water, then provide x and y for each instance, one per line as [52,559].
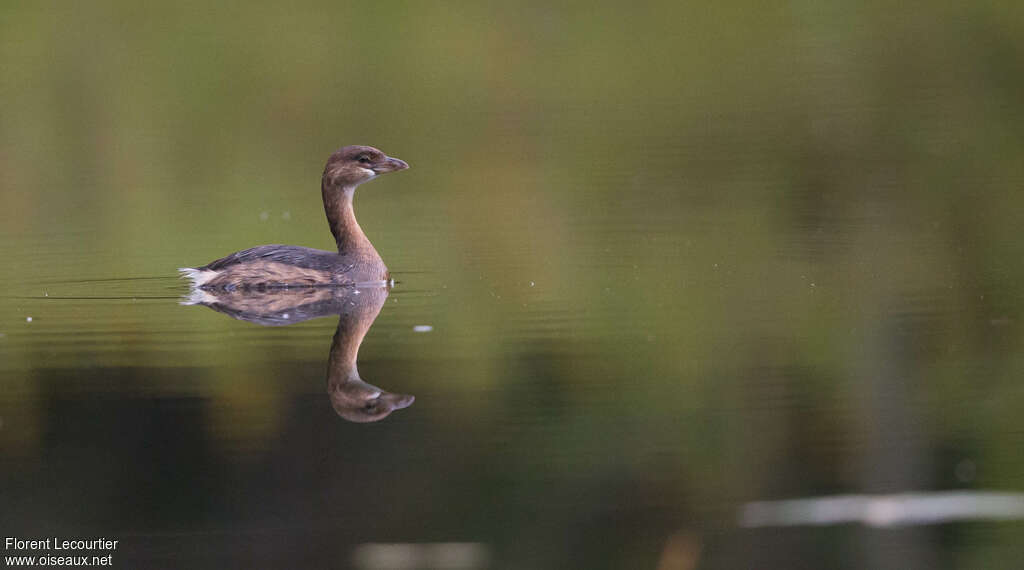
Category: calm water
[649,285]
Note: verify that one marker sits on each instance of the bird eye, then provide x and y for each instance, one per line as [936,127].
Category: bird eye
[364,159]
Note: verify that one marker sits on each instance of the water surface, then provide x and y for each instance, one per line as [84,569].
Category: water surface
[649,284]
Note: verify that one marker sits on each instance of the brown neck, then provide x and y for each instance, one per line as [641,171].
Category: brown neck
[361,309]
[342,219]
[342,373]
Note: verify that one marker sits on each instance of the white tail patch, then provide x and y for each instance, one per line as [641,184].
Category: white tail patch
[199,277]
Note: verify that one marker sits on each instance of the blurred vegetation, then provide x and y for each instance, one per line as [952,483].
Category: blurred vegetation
[716,251]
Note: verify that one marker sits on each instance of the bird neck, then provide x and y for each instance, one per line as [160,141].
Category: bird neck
[346,388]
[342,219]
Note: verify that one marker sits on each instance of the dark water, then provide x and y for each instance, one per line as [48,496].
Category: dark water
[658,270]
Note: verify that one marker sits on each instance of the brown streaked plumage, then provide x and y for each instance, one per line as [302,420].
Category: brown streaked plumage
[271,266]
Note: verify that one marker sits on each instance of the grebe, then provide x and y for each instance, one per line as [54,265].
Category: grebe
[356,262]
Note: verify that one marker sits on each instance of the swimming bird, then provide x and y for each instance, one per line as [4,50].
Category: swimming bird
[277,266]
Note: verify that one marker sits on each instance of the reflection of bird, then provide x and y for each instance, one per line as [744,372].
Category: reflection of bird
[288,265]
[352,398]
[357,307]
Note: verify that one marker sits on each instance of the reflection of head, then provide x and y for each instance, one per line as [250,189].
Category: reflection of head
[370,408]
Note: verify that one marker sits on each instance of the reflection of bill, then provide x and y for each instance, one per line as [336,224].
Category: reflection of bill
[356,307]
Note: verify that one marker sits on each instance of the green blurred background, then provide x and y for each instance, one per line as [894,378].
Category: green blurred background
[676,256]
